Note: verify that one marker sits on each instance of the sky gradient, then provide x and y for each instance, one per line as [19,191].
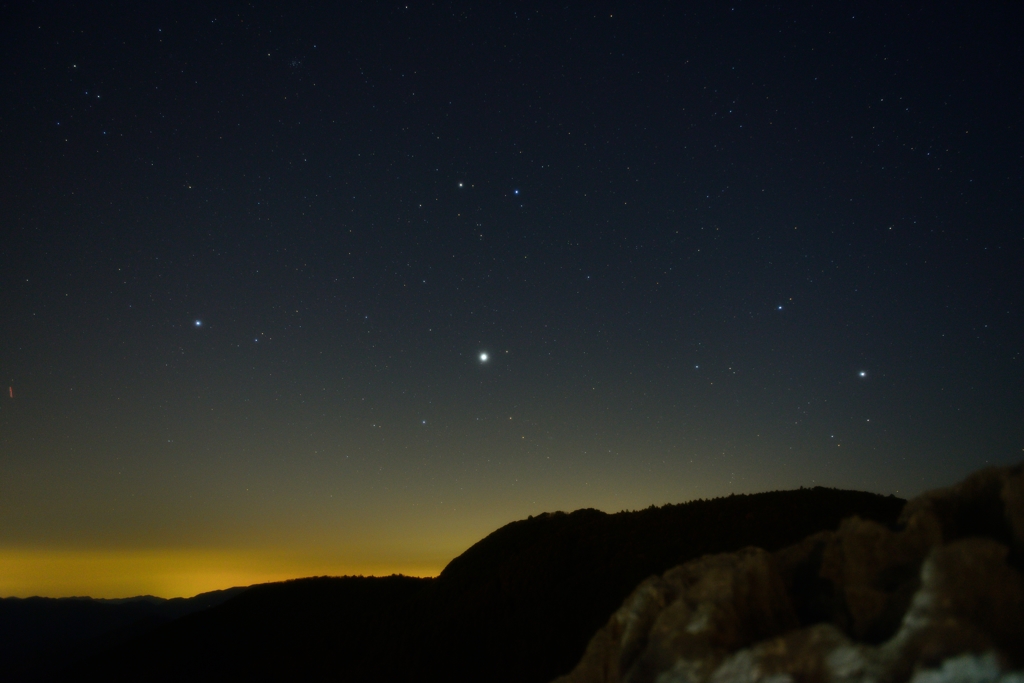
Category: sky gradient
[251,256]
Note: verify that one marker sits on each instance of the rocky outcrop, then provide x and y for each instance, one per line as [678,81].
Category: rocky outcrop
[938,599]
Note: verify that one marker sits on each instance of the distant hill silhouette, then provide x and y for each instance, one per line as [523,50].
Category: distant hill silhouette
[40,635]
[520,605]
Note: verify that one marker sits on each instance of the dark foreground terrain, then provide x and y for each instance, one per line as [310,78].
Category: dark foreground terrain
[39,636]
[520,605]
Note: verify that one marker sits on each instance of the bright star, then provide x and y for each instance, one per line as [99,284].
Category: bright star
[199,323]
[483,357]
[515,192]
[862,373]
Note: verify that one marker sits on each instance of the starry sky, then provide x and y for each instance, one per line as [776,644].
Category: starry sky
[252,256]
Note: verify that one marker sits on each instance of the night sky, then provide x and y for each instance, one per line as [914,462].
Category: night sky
[339,288]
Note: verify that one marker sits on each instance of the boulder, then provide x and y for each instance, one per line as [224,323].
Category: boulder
[940,598]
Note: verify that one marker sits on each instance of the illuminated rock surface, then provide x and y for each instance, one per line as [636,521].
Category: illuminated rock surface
[940,599]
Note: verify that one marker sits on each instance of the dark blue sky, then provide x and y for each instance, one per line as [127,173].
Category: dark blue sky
[708,248]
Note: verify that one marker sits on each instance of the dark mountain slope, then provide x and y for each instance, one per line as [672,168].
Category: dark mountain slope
[39,635]
[542,586]
[308,629]
[519,605]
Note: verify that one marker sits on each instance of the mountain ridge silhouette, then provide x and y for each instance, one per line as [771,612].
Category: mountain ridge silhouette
[520,604]
[39,635]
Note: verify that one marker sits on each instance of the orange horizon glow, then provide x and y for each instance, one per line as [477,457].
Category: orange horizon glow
[172,573]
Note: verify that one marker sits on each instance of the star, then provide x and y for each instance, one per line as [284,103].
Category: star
[483,357]
[199,323]
[863,373]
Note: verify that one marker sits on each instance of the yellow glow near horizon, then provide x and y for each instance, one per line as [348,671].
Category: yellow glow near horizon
[169,573]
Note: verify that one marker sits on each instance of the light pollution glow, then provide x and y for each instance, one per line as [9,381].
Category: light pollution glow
[170,572]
